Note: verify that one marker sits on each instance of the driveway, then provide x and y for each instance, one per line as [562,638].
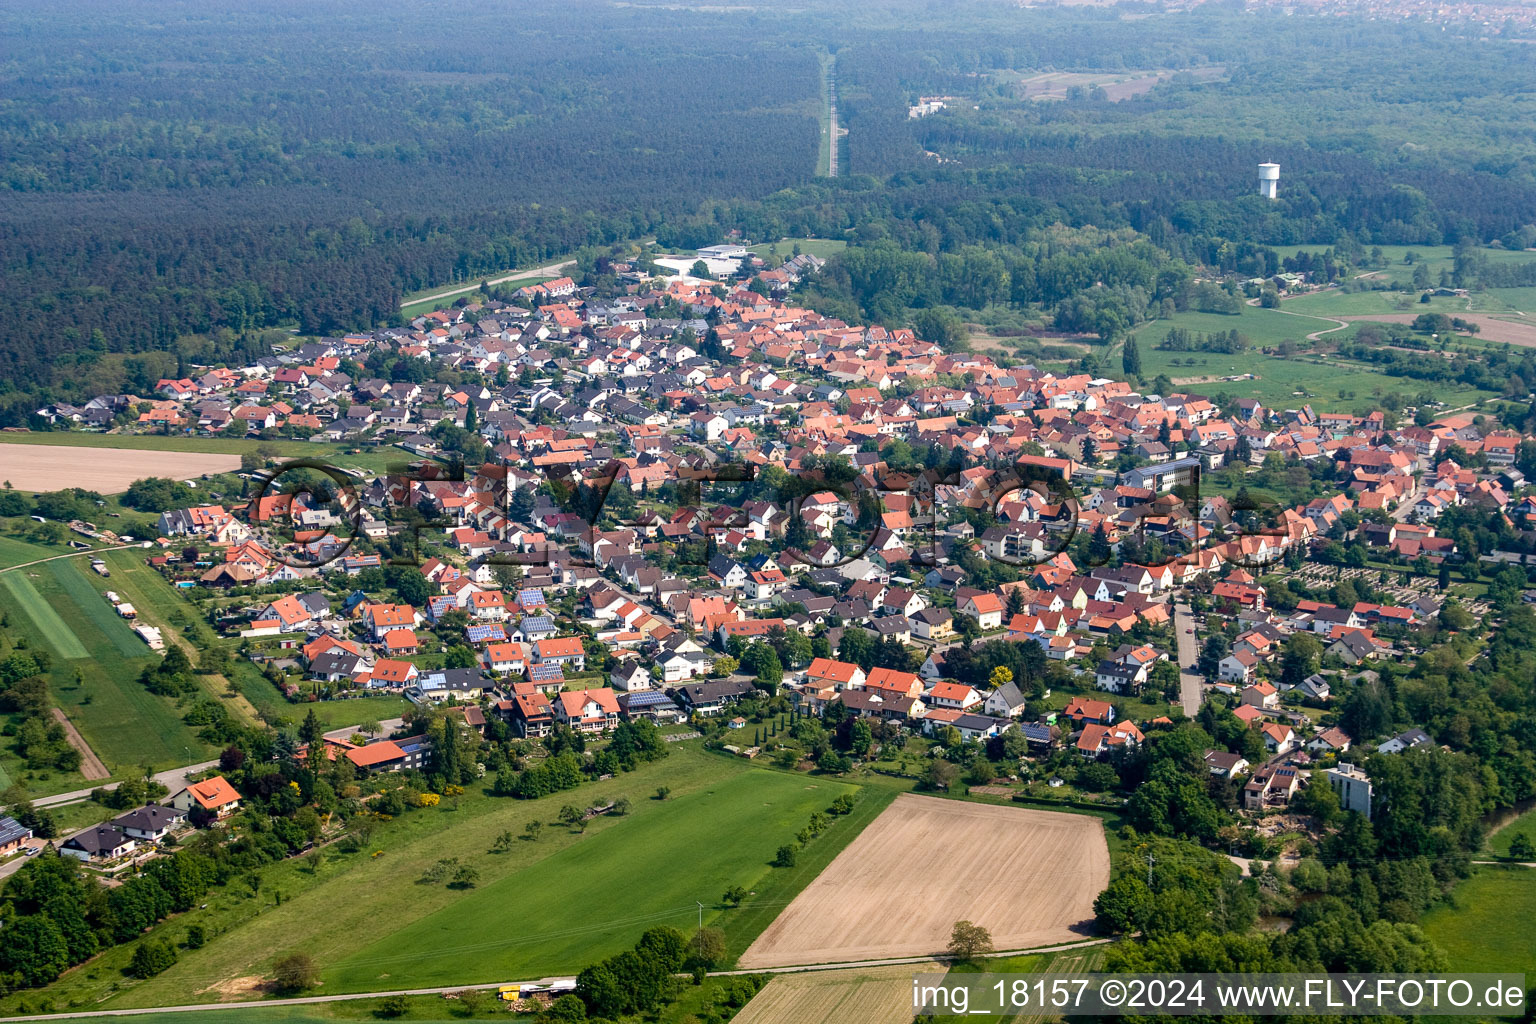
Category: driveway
[1189,682]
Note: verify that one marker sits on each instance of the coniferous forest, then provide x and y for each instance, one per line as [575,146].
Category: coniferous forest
[172,169]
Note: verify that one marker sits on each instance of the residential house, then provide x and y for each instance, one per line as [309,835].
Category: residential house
[588,711]
[213,796]
[99,843]
[150,823]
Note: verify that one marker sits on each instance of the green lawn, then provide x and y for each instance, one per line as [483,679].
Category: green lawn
[62,610]
[1489,927]
[275,709]
[596,897]
[1498,843]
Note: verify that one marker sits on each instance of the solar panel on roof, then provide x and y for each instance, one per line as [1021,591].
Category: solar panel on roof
[541,673]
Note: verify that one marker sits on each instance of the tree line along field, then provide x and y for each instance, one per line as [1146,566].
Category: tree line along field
[550,905]
[97,659]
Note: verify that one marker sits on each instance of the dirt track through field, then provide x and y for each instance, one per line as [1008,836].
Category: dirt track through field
[90,765]
[1028,876]
[49,467]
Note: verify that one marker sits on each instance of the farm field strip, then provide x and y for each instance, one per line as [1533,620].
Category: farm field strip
[867,995]
[853,913]
[50,467]
[94,606]
[93,680]
[48,622]
[148,592]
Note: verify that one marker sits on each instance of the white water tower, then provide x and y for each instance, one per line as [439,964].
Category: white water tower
[1269,180]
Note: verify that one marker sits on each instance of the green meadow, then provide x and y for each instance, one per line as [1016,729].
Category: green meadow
[549,905]
[1487,925]
[97,659]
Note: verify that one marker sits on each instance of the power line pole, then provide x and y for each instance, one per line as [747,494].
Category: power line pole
[1150,862]
[701,914]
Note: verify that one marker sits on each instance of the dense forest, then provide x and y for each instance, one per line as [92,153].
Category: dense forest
[173,170]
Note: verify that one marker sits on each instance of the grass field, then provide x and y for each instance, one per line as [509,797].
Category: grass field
[1435,257]
[19,552]
[595,899]
[159,604]
[548,906]
[1487,928]
[1281,383]
[58,607]
[1263,326]
[43,615]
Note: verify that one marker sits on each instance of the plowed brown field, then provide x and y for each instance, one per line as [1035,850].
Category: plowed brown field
[1028,876]
[49,467]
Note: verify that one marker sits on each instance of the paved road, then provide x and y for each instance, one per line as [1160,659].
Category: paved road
[832,128]
[548,271]
[306,1000]
[1189,682]
[172,779]
[1405,507]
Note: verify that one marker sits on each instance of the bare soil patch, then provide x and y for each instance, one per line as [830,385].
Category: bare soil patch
[1029,876]
[90,765]
[239,988]
[49,467]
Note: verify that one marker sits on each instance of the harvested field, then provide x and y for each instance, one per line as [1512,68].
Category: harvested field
[1029,876]
[49,467]
[1490,327]
[868,995]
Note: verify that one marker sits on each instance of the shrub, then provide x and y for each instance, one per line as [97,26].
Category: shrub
[295,973]
[151,957]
